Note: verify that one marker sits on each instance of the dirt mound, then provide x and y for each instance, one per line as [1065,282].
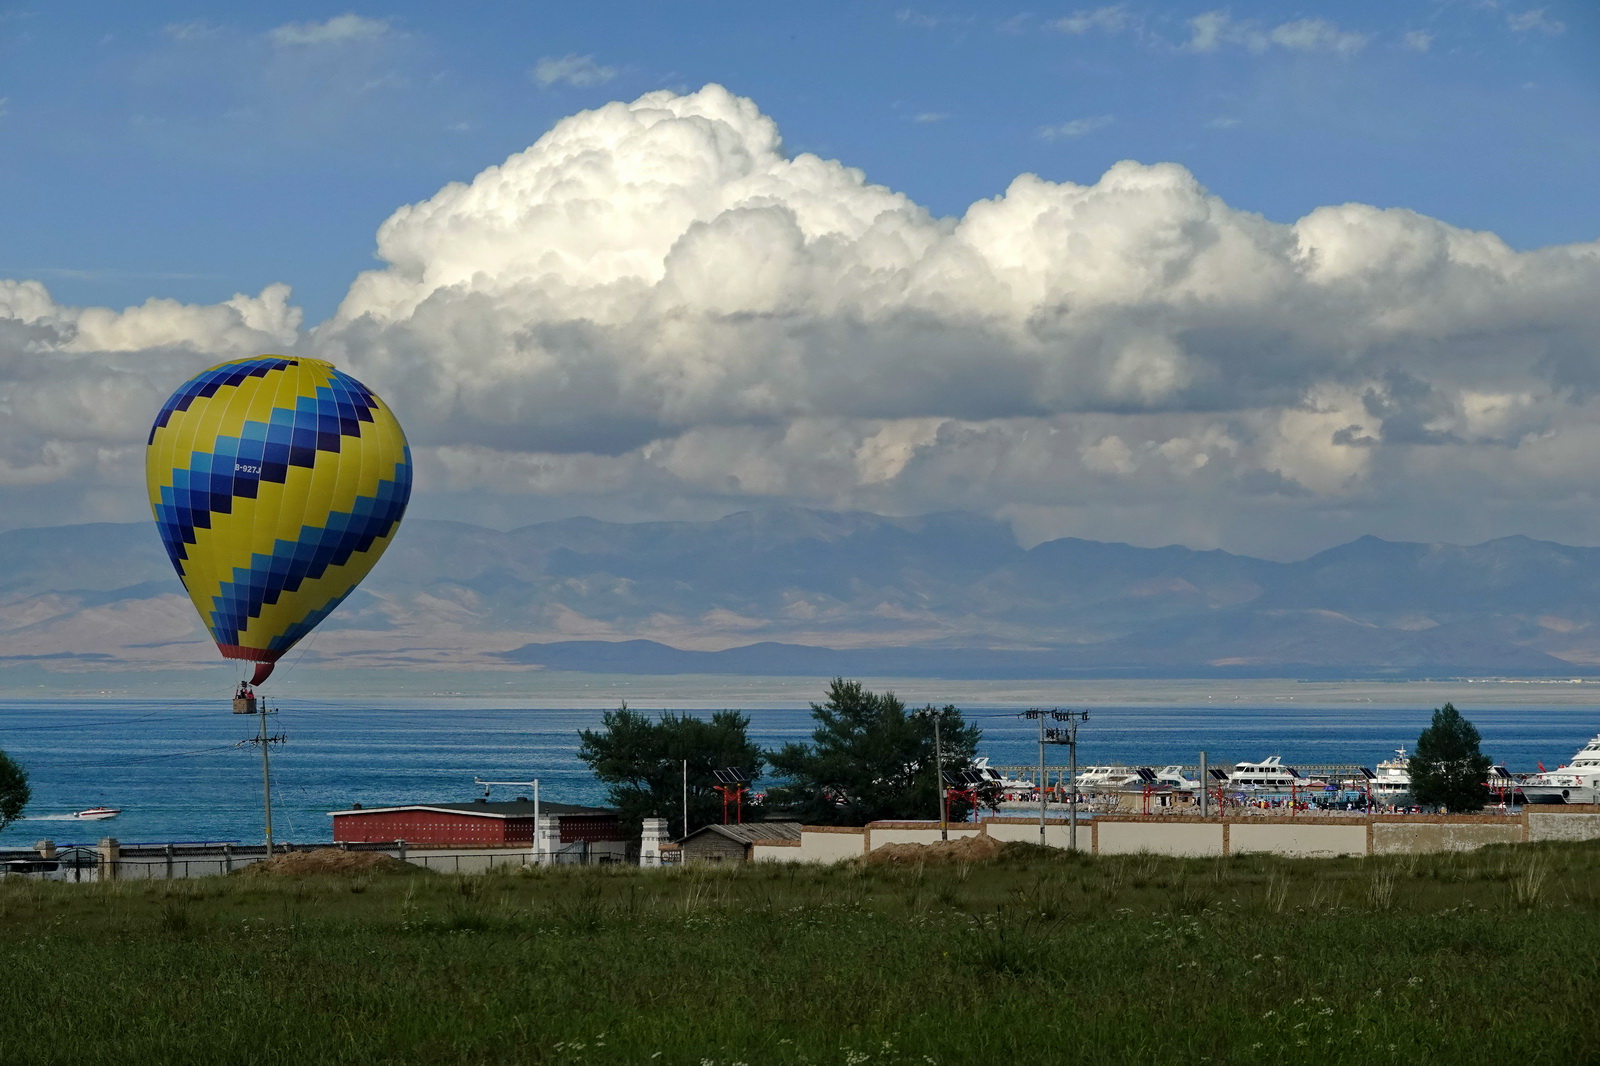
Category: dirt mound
[977,848]
[330,861]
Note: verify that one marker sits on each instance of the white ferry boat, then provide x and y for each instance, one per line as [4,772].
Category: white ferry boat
[1172,777]
[1393,778]
[1107,778]
[1268,775]
[1576,782]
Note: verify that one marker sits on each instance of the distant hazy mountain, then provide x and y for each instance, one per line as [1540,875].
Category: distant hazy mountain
[817,593]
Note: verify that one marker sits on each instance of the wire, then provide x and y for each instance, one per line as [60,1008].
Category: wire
[98,727]
[304,649]
[180,754]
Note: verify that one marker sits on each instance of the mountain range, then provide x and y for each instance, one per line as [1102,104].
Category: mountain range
[799,592]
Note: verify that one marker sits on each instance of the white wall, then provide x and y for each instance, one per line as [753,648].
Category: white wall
[930,835]
[1563,826]
[1306,839]
[1402,838]
[1163,838]
[1055,833]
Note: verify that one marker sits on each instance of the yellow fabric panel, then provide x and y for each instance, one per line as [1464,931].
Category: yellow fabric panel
[276,482]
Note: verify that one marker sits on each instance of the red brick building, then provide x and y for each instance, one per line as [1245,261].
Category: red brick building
[479,823]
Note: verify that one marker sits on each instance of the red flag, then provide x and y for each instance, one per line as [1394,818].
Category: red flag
[1541,768]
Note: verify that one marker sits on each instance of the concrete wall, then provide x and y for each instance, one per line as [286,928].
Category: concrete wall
[1308,838]
[1027,832]
[820,844]
[1571,825]
[1407,838]
[1158,836]
[878,836]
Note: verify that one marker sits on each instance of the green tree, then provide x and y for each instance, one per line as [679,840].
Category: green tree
[1447,769]
[641,759]
[869,759]
[14,792]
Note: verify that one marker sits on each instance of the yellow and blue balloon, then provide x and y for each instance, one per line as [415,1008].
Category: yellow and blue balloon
[276,483]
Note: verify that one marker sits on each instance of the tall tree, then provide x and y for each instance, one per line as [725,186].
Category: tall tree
[870,758]
[14,791]
[642,760]
[1448,770]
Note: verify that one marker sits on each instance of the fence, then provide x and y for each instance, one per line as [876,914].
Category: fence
[111,861]
[1303,835]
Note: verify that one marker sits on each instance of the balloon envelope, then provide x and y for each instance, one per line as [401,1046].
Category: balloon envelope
[276,483]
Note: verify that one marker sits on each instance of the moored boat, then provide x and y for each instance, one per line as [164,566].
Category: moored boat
[1392,781]
[1576,782]
[1268,775]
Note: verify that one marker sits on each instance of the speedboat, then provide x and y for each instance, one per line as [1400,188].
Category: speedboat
[98,814]
[1576,782]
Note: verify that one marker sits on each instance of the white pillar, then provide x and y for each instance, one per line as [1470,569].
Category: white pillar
[547,838]
[655,835]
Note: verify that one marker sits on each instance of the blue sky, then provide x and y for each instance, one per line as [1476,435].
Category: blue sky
[197,150]
[1259,276]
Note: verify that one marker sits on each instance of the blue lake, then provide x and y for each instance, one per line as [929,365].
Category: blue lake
[174,770]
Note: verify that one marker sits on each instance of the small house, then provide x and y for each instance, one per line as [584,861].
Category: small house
[734,843]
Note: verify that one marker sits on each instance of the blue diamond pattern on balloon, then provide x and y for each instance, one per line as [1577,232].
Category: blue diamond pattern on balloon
[263,451]
[207,384]
[308,557]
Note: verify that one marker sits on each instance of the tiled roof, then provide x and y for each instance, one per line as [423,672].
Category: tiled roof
[517,808]
[754,832]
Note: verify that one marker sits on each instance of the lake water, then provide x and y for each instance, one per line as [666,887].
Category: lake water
[174,770]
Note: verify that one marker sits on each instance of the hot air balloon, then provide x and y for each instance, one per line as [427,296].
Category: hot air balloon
[276,483]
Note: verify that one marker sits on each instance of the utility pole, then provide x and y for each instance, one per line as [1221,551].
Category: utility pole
[938,773]
[266,742]
[1069,737]
[1043,801]
[686,797]
[1205,805]
[1072,754]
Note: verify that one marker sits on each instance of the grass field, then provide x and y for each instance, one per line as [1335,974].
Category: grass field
[1487,956]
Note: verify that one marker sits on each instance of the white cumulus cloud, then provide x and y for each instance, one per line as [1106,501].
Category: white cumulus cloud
[656,309]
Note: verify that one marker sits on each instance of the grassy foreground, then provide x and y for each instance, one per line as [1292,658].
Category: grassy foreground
[1488,956]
